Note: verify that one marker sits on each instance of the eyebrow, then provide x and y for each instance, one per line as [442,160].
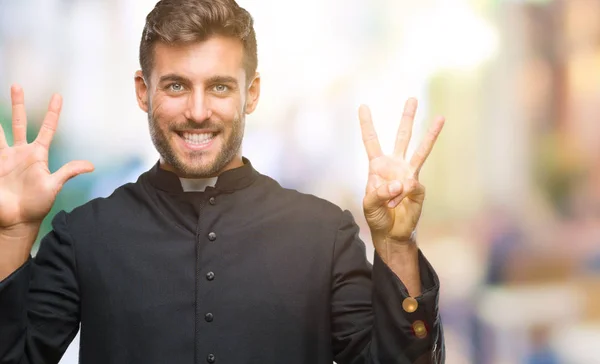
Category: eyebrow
[172,77]
[222,79]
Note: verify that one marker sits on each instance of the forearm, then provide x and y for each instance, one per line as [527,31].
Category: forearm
[39,301]
[373,317]
[15,248]
[15,276]
[403,259]
[407,329]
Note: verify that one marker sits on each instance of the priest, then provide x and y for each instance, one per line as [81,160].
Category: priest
[204,259]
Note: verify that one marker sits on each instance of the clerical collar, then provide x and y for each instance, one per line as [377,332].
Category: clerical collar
[197,184]
[228,181]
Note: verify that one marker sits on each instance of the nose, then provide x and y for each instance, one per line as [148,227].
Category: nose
[198,108]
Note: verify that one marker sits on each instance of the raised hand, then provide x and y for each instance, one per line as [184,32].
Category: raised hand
[394,196]
[27,188]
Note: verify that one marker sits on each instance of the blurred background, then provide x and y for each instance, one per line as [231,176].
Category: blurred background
[512,217]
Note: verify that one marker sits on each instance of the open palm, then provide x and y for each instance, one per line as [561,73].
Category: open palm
[27,188]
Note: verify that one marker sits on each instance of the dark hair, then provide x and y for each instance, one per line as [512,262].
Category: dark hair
[186,21]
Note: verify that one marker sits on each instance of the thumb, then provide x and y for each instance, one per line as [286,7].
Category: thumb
[70,170]
[380,196]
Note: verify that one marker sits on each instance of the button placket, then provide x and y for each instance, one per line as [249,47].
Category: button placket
[210,276]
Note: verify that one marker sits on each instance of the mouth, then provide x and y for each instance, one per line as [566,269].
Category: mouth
[197,140]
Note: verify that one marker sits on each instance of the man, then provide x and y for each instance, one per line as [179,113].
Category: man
[204,259]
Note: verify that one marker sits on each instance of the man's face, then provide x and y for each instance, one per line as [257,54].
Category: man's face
[196,100]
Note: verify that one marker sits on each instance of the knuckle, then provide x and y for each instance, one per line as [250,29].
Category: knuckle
[369,136]
[48,127]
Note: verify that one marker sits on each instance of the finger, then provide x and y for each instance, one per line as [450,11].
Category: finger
[70,170]
[405,129]
[369,135]
[411,187]
[3,143]
[50,123]
[426,146]
[382,195]
[19,117]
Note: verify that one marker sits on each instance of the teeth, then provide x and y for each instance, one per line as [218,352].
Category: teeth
[195,138]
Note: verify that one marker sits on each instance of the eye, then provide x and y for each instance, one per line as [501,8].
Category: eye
[221,88]
[176,87]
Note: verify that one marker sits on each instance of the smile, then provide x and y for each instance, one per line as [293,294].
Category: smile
[197,141]
[198,138]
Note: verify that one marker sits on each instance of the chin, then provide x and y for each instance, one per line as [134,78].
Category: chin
[201,169]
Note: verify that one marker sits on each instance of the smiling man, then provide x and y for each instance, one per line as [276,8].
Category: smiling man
[204,259]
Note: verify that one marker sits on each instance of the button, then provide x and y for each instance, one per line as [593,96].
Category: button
[212,236]
[209,317]
[419,329]
[410,305]
[211,358]
[210,276]
[211,201]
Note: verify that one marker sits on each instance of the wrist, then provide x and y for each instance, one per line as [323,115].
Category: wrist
[395,251]
[20,231]
[15,247]
[408,242]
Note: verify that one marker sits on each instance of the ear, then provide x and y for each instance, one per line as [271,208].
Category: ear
[253,94]
[141,91]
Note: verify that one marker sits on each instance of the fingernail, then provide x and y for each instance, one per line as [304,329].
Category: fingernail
[55,102]
[363,111]
[391,204]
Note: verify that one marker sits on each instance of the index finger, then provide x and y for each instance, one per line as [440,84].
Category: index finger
[19,117]
[426,146]
[369,135]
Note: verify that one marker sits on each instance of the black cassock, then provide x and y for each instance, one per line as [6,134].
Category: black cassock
[244,272]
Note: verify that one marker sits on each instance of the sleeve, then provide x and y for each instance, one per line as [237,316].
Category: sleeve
[39,303]
[373,318]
